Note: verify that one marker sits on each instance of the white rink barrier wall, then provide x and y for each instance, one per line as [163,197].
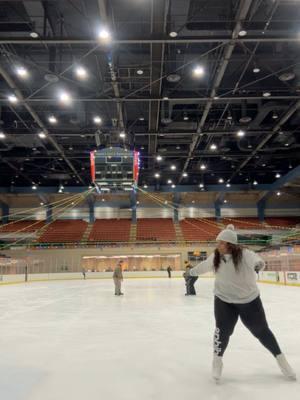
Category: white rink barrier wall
[276,277]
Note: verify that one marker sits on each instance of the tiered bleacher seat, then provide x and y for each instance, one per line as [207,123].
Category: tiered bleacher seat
[110,230]
[155,229]
[22,226]
[243,223]
[282,221]
[199,230]
[64,231]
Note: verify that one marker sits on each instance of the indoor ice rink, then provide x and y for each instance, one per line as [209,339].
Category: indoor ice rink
[149,199]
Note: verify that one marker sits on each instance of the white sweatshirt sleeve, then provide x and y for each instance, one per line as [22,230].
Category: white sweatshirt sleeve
[203,267]
[254,260]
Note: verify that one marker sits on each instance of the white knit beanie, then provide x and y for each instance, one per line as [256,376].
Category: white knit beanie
[228,235]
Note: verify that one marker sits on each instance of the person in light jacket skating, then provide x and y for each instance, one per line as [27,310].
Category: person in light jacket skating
[237,296]
[189,280]
[118,278]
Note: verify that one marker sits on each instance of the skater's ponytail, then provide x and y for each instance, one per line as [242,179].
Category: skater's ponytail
[236,254]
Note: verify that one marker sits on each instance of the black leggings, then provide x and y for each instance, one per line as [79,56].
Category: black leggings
[253,317]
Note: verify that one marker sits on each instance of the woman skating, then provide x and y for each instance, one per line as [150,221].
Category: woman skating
[237,295]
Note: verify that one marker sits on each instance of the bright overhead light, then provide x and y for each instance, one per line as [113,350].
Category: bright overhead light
[173,186]
[277,175]
[228,185]
[34,35]
[12,98]
[256,70]
[201,185]
[240,133]
[2,135]
[145,186]
[158,158]
[104,35]
[42,135]
[122,135]
[166,202]
[156,175]
[41,204]
[173,34]
[266,94]
[81,72]
[278,193]
[103,199]
[286,144]
[173,167]
[90,186]
[275,115]
[225,201]
[141,118]
[165,98]
[140,72]
[255,183]
[184,174]
[198,71]
[65,98]
[34,187]
[169,182]
[242,32]
[221,180]
[203,167]
[185,118]
[213,147]
[97,120]
[22,72]
[52,119]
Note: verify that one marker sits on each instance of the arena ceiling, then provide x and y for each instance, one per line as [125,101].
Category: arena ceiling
[211,87]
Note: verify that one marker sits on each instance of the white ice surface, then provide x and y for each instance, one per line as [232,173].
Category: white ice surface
[75,340]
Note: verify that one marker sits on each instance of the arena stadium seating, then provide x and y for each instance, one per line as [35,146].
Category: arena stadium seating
[63,231]
[155,229]
[110,230]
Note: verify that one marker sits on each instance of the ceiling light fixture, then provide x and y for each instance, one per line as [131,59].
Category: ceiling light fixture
[104,35]
[52,119]
[12,98]
[184,174]
[198,71]
[240,133]
[81,72]
[157,175]
[173,34]
[97,120]
[266,94]
[140,72]
[213,147]
[2,135]
[255,183]
[202,167]
[22,72]
[173,167]
[42,135]
[122,135]
[242,32]
[65,98]
[158,158]
[277,175]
